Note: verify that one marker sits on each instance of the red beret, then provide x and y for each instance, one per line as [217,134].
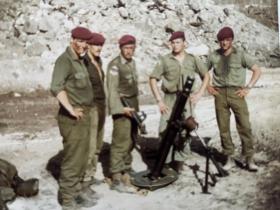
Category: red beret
[225,32]
[127,39]
[96,39]
[177,35]
[81,33]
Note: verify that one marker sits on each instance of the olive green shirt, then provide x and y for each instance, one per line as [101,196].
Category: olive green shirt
[229,71]
[122,80]
[70,74]
[174,74]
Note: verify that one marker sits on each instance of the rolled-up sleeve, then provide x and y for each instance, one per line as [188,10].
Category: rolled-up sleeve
[247,61]
[158,70]
[60,73]
[201,68]
[209,63]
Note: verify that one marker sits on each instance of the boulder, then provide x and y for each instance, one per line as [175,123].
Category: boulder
[30,26]
[35,49]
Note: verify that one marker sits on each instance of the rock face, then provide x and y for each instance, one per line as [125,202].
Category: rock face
[264,11]
[41,32]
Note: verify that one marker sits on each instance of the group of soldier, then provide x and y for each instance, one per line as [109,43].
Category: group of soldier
[78,83]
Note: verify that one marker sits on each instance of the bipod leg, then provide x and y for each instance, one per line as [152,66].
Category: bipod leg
[205,187]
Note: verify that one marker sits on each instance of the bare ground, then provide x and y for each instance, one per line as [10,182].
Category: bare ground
[28,112]
[34,113]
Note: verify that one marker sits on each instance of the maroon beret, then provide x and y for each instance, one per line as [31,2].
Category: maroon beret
[96,39]
[127,39]
[225,32]
[177,35]
[81,33]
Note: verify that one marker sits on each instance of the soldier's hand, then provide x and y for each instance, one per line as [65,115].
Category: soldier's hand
[242,92]
[212,90]
[127,111]
[195,97]
[78,113]
[163,108]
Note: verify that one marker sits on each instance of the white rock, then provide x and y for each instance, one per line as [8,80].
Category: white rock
[30,26]
[44,24]
[123,12]
[20,20]
[35,49]
[5,26]
[17,94]
[198,50]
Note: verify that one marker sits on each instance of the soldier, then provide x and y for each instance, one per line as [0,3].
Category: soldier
[98,112]
[173,70]
[229,66]
[12,185]
[72,87]
[122,82]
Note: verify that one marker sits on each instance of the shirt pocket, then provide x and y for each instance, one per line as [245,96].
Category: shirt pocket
[235,69]
[237,73]
[80,80]
[172,72]
[218,68]
[235,66]
[188,67]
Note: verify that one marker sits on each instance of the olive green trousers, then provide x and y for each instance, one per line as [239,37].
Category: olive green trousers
[122,144]
[97,121]
[228,101]
[76,136]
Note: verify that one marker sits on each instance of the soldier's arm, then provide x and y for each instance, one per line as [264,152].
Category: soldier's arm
[60,73]
[64,101]
[211,90]
[154,78]
[155,89]
[255,76]
[204,74]
[250,64]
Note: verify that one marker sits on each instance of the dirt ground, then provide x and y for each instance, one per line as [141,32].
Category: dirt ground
[32,112]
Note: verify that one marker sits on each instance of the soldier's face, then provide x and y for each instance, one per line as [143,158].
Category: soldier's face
[226,44]
[95,50]
[178,45]
[79,46]
[127,51]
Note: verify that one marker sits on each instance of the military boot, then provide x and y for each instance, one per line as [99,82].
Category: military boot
[116,181]
[70,206]
[120,182]
[250,165]
[126,179]
[87,198]
[229,163]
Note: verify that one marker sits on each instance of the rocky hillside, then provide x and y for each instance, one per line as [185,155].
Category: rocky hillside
[264,11]
[34,33]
